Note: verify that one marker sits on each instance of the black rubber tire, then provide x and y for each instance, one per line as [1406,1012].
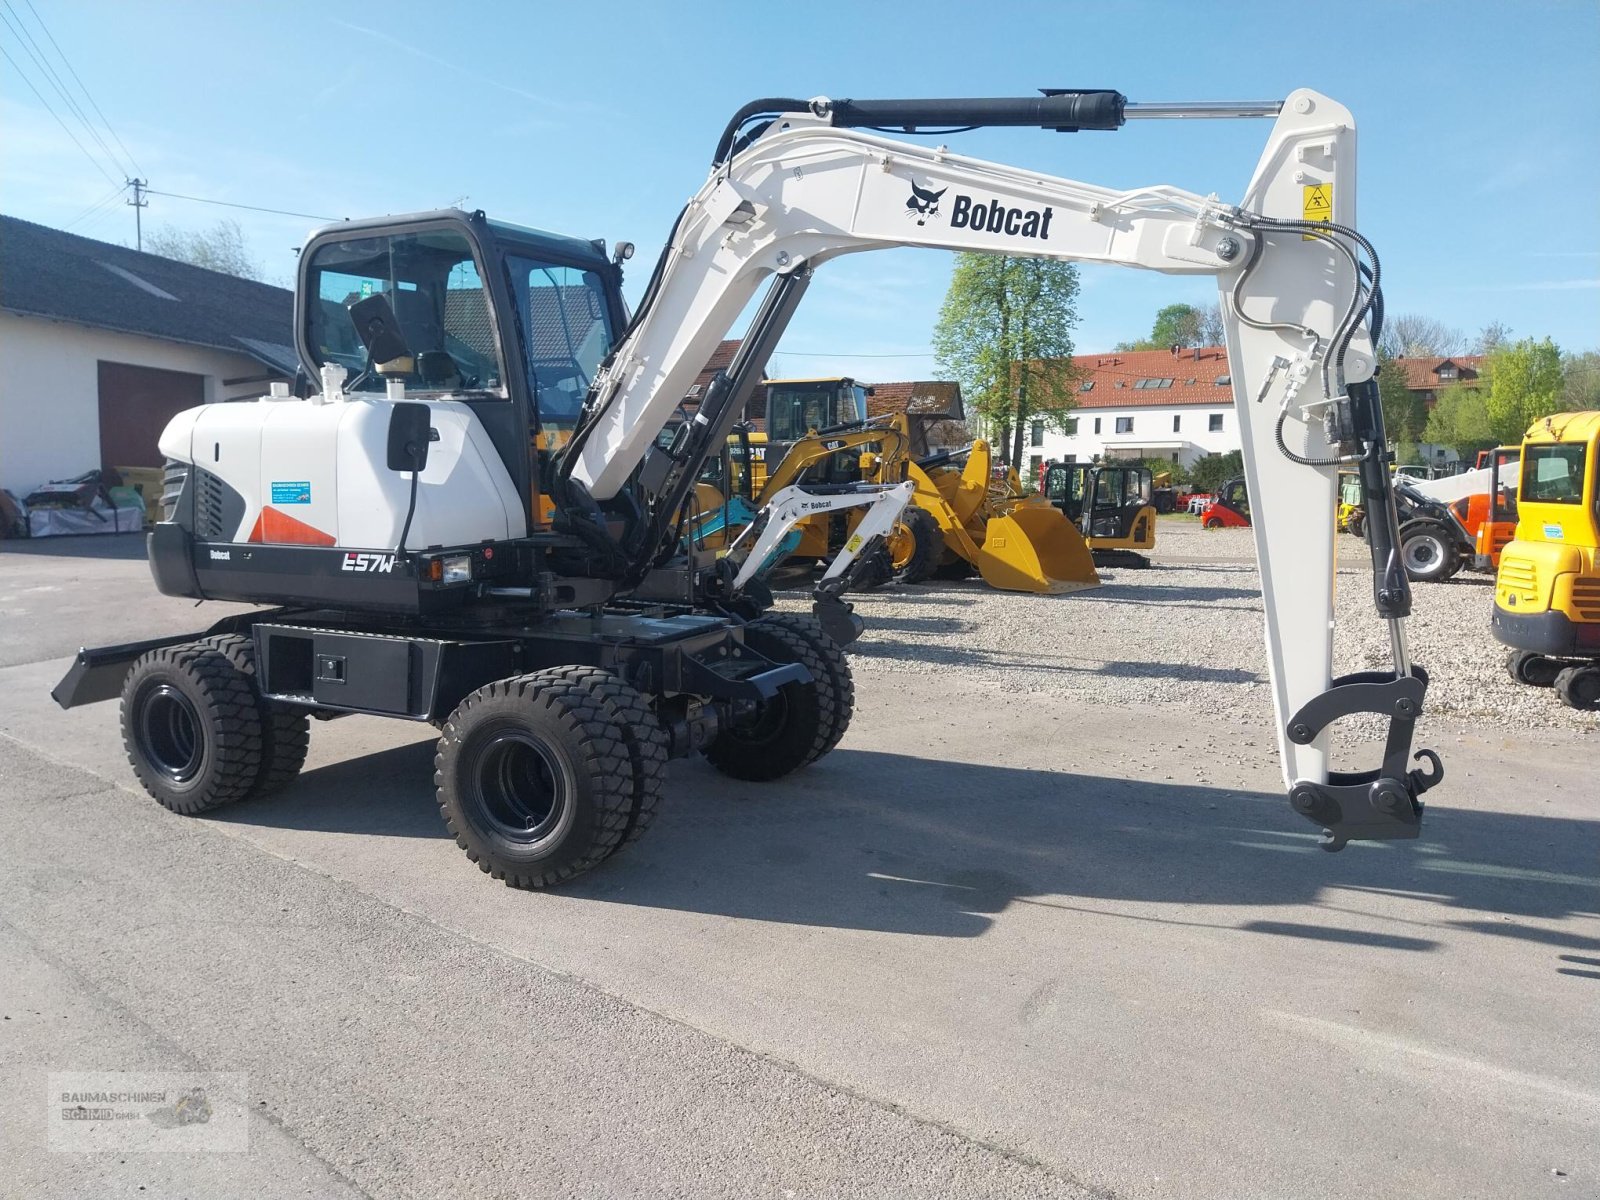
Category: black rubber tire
[1358,525]
[1535,670]
[927,545]
[1213,523]
[643,734]
[286,732]
[806,720]
[191,725]
[559,725]
[954,567]
[1579,687]
[1429,551]
[840,698]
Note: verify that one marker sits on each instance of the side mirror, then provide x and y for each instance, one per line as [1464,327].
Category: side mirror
[409,433]
[379,331]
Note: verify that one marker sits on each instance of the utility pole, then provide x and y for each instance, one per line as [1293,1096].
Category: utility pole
[139,201]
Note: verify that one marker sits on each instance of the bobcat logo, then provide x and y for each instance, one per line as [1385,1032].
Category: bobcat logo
[923,203]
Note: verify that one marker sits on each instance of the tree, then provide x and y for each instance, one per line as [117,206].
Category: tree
[1491,337]
[1460,420]
[1404,412]
[1525,383]
[1180,325]
[1211,329]
[1580,376]
[1417,336]
[220,248]
[1005,332]
[1212,471]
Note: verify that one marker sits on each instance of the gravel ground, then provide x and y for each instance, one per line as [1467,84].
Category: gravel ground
[1188,632]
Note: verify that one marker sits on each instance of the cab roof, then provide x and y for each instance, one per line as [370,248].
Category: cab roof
[1565,427]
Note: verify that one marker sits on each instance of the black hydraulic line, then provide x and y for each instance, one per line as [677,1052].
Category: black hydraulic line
[674,471]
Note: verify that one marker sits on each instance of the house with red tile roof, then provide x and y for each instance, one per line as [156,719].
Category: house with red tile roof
[1171,404]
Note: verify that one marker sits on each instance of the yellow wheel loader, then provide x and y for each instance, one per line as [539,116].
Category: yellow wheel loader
[1547,590]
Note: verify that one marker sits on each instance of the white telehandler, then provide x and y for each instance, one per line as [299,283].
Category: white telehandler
[475,520]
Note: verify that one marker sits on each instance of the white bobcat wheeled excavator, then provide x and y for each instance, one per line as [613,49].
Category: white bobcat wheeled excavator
[476,520]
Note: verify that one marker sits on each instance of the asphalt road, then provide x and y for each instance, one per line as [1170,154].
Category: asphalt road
[987,948]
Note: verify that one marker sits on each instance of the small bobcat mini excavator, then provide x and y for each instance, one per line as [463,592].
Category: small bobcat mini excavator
[476,519]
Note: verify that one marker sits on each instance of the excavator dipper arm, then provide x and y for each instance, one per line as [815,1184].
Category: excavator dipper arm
[1298,305]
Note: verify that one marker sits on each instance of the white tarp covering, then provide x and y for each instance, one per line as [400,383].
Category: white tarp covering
[59,522]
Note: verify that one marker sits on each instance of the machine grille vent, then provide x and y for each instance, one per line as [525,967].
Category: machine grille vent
[208,504]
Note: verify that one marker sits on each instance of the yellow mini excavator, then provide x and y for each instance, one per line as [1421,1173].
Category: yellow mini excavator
[1547,589]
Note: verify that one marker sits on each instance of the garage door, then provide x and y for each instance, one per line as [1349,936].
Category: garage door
[135,405]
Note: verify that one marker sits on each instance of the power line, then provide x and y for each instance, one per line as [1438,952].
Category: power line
[13,21]
[95,207]
[109,177]
[86,93]
[821,354]
[229,204]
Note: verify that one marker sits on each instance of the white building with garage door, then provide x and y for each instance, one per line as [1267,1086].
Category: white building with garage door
[1171,404]
[100,345]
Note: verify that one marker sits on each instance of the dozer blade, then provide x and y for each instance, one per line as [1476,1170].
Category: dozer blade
[1034,548]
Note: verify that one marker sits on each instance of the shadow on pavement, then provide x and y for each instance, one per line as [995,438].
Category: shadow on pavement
[125,546]
[885,842]
[1026,661]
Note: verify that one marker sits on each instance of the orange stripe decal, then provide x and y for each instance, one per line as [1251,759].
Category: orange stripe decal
[275,526]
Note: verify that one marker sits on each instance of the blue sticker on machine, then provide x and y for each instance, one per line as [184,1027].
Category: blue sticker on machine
[1553,532]
[298,492]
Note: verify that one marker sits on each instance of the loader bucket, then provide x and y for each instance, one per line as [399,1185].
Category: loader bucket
[1034,548]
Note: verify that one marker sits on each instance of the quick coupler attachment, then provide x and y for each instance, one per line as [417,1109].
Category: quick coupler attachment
[1355,806]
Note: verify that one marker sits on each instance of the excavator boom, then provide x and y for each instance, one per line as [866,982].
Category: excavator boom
[797,183]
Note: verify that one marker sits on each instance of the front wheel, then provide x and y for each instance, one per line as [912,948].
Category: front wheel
[916,544]
[1213,522]
[1429,552]
[535,778]
[804,720]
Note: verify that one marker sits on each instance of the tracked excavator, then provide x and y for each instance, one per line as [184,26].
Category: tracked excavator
[472,517]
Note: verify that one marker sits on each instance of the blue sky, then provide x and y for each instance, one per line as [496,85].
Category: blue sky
[1480,142]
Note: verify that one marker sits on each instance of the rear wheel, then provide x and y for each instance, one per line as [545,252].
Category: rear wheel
[916,544]
[285,732]
[1579,687]
[804,720]
[1429,552]
[1535,670]
[1213,522]
[535,778]
[192,727]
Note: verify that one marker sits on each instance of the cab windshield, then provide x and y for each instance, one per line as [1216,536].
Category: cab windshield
[432,283]
[792,412]
[1553,474]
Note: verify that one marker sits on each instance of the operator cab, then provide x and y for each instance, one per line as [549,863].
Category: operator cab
[798,407]
[511,321]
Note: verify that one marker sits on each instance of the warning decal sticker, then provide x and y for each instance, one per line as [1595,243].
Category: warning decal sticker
[1317,204]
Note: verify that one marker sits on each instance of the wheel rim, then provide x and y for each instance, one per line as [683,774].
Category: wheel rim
[168,733]
[523,790]
[902,545]
[767,722]
[1422,554]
